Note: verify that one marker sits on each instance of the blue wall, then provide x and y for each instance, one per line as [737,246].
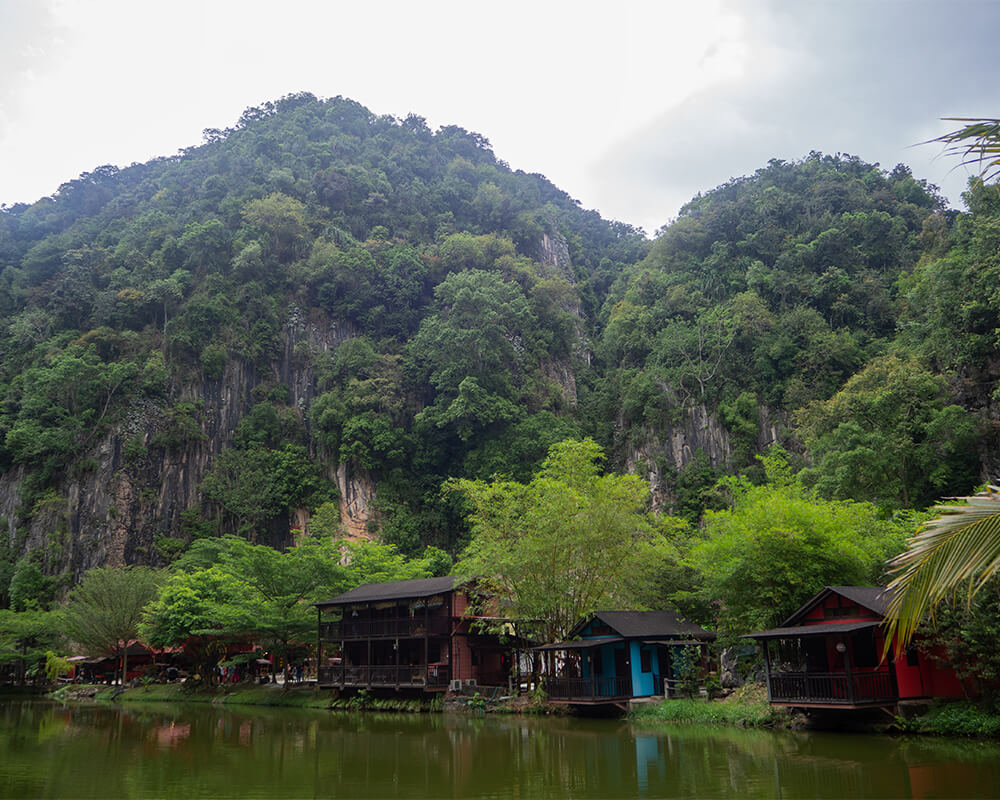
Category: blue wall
[643,683]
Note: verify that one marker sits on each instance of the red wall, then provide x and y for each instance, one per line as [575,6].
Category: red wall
[929,678]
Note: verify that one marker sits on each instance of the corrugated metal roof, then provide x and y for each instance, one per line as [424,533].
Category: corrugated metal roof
[822,629]
[648,624]
[393,590]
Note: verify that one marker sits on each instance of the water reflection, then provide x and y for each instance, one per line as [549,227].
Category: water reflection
[160,750]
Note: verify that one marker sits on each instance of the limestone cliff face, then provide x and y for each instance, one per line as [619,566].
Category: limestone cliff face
[357,490]
[561,375]
[111,508]
[697,431]
[553,253]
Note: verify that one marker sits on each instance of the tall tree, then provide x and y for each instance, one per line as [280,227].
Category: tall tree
[778,545]
[890,436]
[26,636]
[229,589]
[104,610]
[959,549]
[569,542]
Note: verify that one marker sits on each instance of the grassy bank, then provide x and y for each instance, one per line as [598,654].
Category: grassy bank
[747,707]
[954,719]
[243,694]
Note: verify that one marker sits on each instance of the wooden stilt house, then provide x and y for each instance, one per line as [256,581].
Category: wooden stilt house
[829,654]
[417,634]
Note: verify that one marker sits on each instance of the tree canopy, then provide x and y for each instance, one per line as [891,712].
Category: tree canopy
[569,542]
[228,590]
[778,545]
[104,610]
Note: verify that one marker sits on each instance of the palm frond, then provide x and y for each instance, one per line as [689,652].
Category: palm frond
[977,144]
[957,550]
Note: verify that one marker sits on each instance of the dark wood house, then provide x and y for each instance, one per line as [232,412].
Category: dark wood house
[419,634]
[829,654]
[614,656]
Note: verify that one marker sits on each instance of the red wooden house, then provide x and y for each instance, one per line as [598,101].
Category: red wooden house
[417,634]
[829,654]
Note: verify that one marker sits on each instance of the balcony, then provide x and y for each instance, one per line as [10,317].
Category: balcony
[385,676]
[833,688]
[589,690]
[397,628]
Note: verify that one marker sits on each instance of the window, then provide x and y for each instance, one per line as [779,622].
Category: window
[596,662]
[646,663]
[814,650]
[864,649]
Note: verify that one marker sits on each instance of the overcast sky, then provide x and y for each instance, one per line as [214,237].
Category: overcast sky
[632,108]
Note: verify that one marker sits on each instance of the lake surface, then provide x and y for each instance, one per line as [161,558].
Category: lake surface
[161,750]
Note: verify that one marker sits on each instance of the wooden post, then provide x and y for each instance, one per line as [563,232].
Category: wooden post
[847,669]
[595,655]
[451,634]
[516,689]
[767,667]
[319,642]
[371,630]
[628,670]
[891,664]
[427,646]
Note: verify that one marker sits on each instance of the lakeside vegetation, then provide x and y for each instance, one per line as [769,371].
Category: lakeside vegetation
[750,565]
[295,696]
[955,719]
[747,707]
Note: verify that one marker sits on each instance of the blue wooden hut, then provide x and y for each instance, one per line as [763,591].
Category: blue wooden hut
[615,656]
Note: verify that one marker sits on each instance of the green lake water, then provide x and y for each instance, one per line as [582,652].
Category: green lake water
[161,750]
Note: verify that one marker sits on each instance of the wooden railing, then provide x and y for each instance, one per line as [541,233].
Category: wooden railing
[593,688]
[379,675]
[398,628]
[833,688]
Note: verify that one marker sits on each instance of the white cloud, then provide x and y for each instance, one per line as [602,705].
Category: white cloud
[631,109]
[861,78]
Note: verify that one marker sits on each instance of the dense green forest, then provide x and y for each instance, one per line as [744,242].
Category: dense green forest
[312,321]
